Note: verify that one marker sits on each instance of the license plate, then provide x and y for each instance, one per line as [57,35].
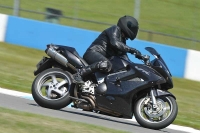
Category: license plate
[41,62]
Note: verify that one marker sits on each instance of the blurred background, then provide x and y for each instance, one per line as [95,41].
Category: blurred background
[171,22]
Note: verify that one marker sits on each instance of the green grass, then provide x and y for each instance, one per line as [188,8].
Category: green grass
[18,64]
[176,17]
[187,94]
[13,121]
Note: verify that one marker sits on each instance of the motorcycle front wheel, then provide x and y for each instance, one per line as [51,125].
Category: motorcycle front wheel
[51,88]
[157,117]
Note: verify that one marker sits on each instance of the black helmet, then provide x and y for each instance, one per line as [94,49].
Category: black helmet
[129,26]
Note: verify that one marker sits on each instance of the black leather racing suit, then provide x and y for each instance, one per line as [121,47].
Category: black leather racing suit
[109,43]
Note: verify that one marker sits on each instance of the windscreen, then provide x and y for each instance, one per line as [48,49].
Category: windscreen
[157,55]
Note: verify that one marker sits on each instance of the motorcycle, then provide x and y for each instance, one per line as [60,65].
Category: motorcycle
[129,89]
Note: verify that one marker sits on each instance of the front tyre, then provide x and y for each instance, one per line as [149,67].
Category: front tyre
[156,118]
[51,88]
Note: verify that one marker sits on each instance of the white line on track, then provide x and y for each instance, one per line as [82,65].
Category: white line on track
[29,96]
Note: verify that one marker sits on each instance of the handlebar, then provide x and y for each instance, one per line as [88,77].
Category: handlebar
[145,58]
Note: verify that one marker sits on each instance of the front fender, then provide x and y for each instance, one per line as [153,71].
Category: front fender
[159,93]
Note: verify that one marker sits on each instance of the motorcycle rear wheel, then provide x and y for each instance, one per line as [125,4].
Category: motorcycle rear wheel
[51,88]
[156,118]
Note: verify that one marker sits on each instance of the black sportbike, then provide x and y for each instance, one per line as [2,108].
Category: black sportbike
[128,90]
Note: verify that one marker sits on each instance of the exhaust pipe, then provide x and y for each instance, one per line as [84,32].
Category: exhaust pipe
[56,56]
[85,106]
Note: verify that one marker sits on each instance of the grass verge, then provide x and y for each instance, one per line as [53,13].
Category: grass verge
[20,122]
[18,64]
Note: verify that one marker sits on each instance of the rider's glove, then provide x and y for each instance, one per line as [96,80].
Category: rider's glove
[134,51]
[139,56]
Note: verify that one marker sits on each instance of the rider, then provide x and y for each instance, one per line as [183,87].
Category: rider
[111,42]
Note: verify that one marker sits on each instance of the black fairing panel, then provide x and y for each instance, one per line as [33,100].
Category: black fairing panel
[160,67]
[148,74]
[119,97]
[122,85]
[155,53]
[127,79]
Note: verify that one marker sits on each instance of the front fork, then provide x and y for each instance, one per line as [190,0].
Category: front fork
[154,102]
[156,93]
[152,98]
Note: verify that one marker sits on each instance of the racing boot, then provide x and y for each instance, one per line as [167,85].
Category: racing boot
[80,73]
[103,66]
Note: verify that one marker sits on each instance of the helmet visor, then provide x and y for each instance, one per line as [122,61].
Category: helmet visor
[132,27]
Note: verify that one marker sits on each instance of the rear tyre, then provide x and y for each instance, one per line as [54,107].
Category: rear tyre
[52,87]
[157,118]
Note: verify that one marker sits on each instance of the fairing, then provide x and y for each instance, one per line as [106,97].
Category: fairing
[157,56]
[159,65]
[124,83]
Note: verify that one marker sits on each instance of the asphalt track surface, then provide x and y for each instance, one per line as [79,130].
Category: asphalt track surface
[29,105]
